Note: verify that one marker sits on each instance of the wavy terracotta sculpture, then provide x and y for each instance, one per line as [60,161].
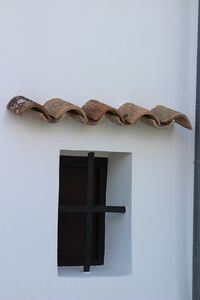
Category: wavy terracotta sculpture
[94,111]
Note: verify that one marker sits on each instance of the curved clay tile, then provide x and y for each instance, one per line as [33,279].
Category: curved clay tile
[132,113]
[168,116]
[94,111]
[59,108]
[21,104]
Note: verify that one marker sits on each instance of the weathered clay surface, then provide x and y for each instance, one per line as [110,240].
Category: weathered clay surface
[94,111]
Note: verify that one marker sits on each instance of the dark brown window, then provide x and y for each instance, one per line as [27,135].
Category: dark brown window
[82,208]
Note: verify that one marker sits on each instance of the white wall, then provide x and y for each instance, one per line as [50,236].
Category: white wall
[114,51]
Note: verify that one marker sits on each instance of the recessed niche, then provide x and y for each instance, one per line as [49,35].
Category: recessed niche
[116,259]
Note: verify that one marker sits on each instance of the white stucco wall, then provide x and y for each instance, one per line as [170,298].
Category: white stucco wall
[114,51]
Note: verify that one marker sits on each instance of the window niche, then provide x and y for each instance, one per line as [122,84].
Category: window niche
[94,224]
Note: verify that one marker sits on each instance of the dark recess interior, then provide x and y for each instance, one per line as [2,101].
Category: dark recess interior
[73,184]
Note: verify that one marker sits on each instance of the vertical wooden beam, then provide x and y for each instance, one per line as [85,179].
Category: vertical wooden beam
[89,215]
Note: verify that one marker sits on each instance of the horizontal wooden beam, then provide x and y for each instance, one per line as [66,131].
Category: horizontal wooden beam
[91,209]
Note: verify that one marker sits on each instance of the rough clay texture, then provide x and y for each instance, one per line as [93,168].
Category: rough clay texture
[94,111]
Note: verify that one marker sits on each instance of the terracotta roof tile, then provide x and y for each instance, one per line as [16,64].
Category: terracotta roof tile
[94,111]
